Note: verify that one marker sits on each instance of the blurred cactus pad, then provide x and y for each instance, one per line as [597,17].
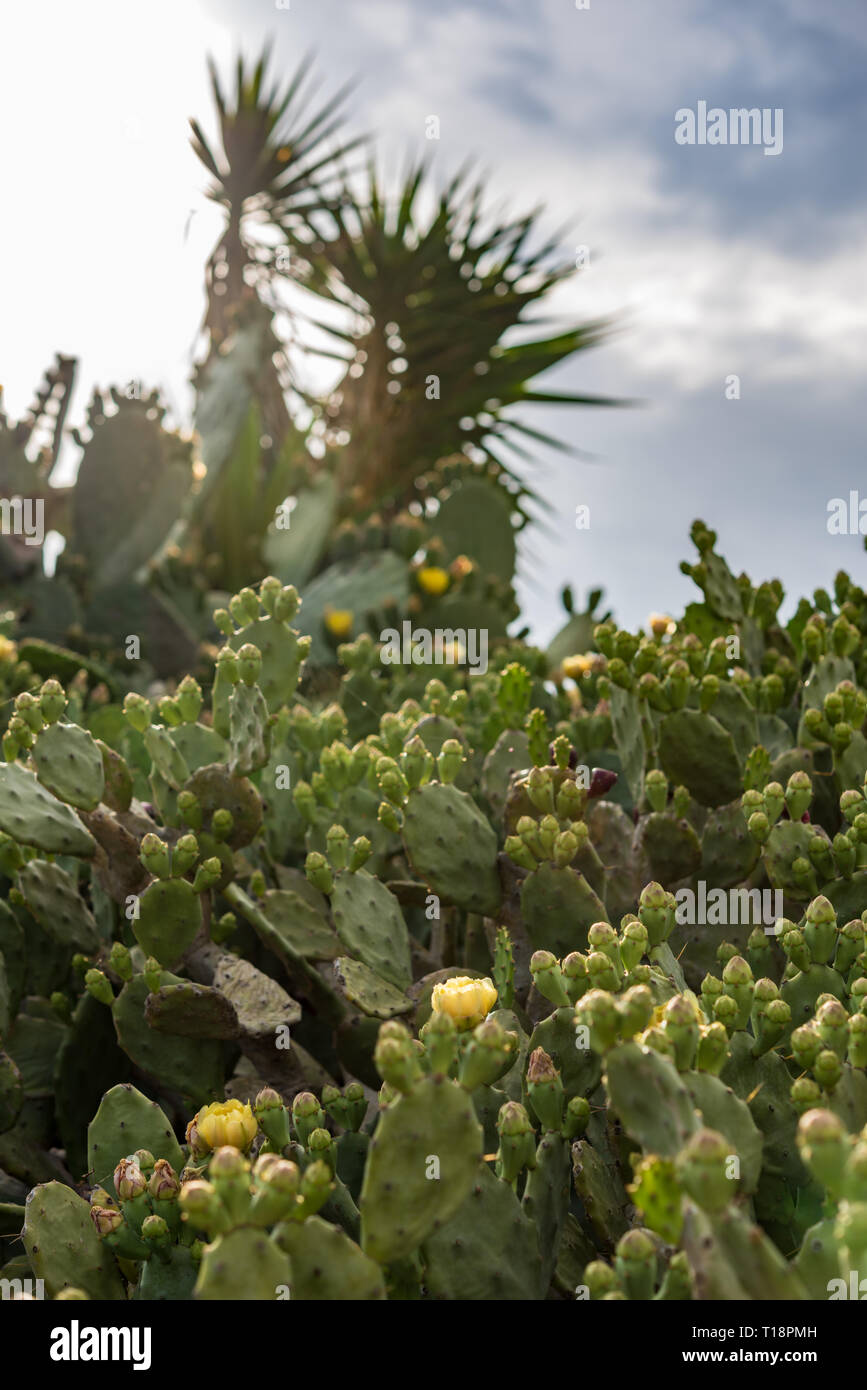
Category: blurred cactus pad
[345,955]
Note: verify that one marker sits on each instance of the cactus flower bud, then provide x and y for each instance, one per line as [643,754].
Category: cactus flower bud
[307,1115]
[799,794]
[545,1089]
[820,929]
[129,1180]
[517,1148]
[107,1220]
[318,872]
[52,701]
[712,1052]
[137,711]
[805,1094]
[163,1183]
[316,1185]
[547,977]
[440,1038]
[827,1069]
[702,1167]
[98,984]
[155,856]
[635,1263]
[824,1146]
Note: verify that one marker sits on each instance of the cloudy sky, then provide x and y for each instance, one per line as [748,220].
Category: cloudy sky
[715,260]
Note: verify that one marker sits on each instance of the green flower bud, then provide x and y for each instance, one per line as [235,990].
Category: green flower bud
[545,1090]
[832,1026]
[120,961]
[799,794]
[656,789]
[222,824]
[318,872]
[575,976]
[597,1013]
[824,1146]
[634,943]
[655,913]
[316,1186]
[635,1008]
[805,1094]
[450,760]
[487,1055]
[307,1115]
[682,1026]
[548,979]
[97,984]
[156,856]
[828,1069]
[190,809]
[540,790]
[600,1281]
[184,855]
[337,846]
[702,1168]
[857,1051]
[137,711]
[52,701]
[577,1118]
[713,1049]
[635,1263]
[795,947]
[397,1062]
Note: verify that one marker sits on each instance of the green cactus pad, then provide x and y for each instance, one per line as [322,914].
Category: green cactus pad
[611,834]
[13,954]
[600,1187]
[327,1265]
[712,1275]
[628,738]
[281,659]
[696,752]
[172,1278]
[11,1092]
[32,816]
[671,847]
[452,846]
[117,792]
[559,907]
[125,1121]
[170,916]
[580,1068]
[765,1085]
[249,735]
[546,1199]
[192,1066]
[303,927]
[69,764]
[788,840]
[729,852]
[362,586]
[242,1266]
[488,1250]
[802,990]
[191,1011]
[732,709]
[63,1247]
[650,1098]
[33,1043]
[510,754]
[52,896]
[216,789]
[370,924]
[400,1204]
[372,994]
[167,757]
[262,1006]
[199,745]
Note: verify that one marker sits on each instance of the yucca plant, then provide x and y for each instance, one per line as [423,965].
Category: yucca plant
[432,300]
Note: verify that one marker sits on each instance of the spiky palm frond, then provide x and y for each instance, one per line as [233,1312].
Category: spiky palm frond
[432,301]
[275,160]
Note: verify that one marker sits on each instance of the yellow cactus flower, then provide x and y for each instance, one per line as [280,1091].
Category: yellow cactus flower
[660,624]
[465,1001]
[8,649]
[576,666]
[433,580]
[339,621]
[225,1122]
